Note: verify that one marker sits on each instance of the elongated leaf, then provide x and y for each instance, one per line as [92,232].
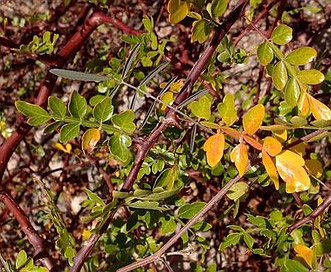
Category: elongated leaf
[90,138]
[77,105]
[214,147]
[189,210]
[74,75]
[152,107]
[192,98]
[305,253]
[311,76]
[130,60]
[301,56]
[201,108]
[303,104]
[279,75]
[57,106]
[69,132]
[270,168]
[253,119]
[265,53]
[292,92]
[227,110]
[239,156]
[192,139]
[103,111]
[152,74]
[290,167]
[272,146]
[281,35]
[318,109]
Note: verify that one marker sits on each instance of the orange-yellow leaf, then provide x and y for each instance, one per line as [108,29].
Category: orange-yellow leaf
[66,149]
[315,168]
[253,119]
[252,142]
[214,147]
[239,156]
[318,109]
[305,253]
[272,146]
[303,104]
[270,168]
[280,135]
[90,138]
[298,148]
[231,132]
[290,168]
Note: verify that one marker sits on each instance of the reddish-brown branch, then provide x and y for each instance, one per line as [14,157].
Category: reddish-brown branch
[311,217]
[36,241]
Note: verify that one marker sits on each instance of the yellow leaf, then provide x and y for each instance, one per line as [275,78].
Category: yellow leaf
[66,149]
[90,138]
[318,109]
[167,97]
[280,135]
[239,156]
[214,147]
[86,234]
[270,168]
[231,132]
[305,253]
[272,146]
[290,168]
[298,148]
[303,104]
[253,119]
[315,168]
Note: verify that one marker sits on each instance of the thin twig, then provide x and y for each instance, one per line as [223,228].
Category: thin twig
[311,217]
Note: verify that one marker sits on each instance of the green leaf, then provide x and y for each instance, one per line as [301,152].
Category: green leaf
[118,145]
[301,56]
[69,132]
[231,239]
[227,110]
[178,10]
[21,259]
[166,179]
[201,108]
[148,23]
[189,210]
[281,35]
[147,205]
[292,92]
[77,105]
[218,7]
[168,225]
[201,30]
[103,111]
[38,116]
[294,265]
[279,75]
[311,76]
[265,53]
[94,197]
[201,226]
[248,239]
[124,121]
[57,106]
[74,75]
[238,190]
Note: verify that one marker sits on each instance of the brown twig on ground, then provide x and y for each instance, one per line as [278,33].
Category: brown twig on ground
[36,241]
